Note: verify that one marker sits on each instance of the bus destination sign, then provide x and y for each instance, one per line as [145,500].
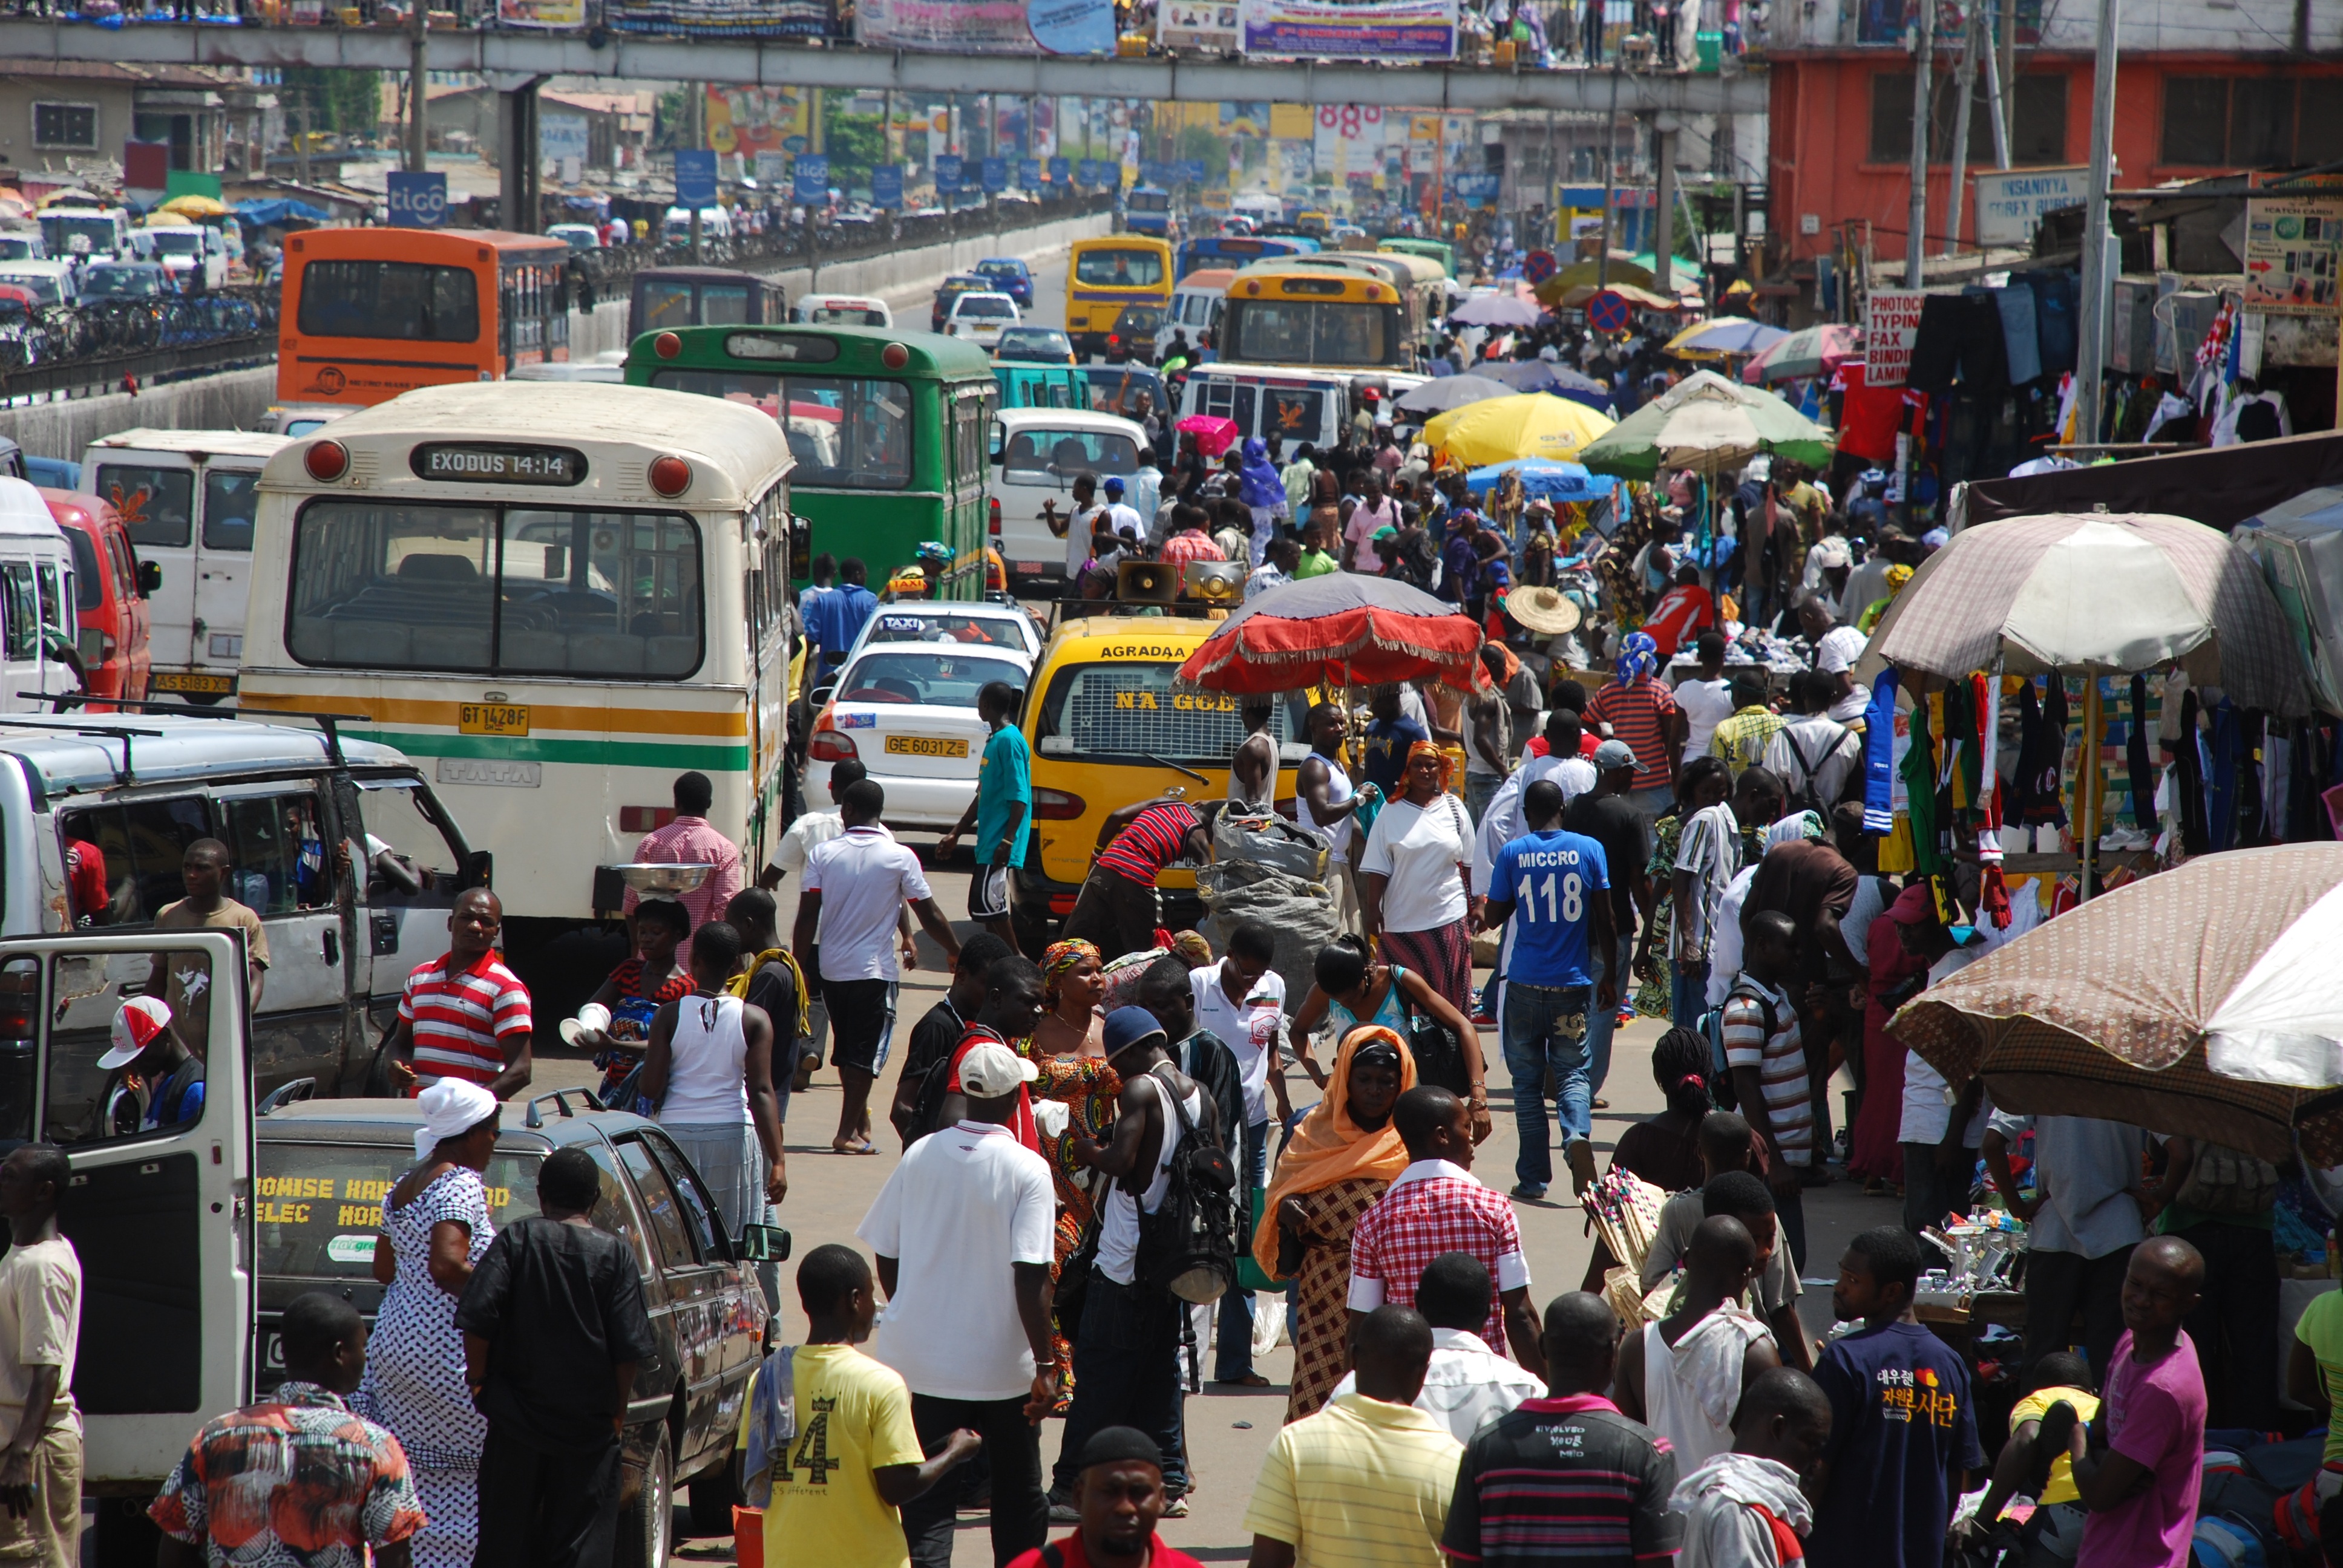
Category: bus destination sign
[460,461]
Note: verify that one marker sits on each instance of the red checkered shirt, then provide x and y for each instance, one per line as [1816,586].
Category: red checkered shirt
[1191,544]
[1432,1208]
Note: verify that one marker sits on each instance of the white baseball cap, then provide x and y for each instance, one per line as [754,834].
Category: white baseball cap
[991,1069]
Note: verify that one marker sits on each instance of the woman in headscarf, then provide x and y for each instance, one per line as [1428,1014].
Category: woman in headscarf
[1334,1167]
[1414,879]
[1068,1047]
[1263,494]
[433,1227]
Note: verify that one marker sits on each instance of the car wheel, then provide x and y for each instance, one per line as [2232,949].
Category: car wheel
[648,1526]
[715,1493]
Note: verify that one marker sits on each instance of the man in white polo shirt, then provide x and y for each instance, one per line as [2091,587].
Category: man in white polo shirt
[856,886]
[964,1231]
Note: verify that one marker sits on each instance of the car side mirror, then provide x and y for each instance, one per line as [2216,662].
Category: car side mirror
[763,1244]
[90,645]
[150,578]
[479,870]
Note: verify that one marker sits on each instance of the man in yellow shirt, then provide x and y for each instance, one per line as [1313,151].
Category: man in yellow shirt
[1366,1481]
[851,1457]
[1742,738]
[2057,1524]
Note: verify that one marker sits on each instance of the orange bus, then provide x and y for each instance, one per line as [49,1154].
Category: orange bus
[370,313]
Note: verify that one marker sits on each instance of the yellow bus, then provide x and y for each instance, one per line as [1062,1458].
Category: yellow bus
[1107,276]
[1302,313]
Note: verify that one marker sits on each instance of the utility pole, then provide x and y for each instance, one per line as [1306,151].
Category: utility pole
[1664,155]
[1923,59]
[1964,84]
[1993,93]
[2099,258]
[698,101]
[417,126]
[1610,174]
[2008,61]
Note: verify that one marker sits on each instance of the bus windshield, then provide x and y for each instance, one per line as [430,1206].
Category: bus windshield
[1312,332]
[846,432]
[1123,710]
[408,300]
[477,588]
[1118,268]
[1044,454]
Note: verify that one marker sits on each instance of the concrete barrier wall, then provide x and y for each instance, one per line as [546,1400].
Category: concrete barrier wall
[237,398]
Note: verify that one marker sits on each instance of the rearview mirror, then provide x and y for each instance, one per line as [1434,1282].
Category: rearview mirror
[764,1244]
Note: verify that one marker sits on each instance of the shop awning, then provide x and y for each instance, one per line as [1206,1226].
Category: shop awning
[2219,487]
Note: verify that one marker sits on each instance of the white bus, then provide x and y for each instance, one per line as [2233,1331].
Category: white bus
[557,598]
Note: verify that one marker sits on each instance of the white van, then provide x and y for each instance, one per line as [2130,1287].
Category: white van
[1197,301]
[196,256]
[188,499]
[1036,455]
[843,310]
[94,233]
[36,600]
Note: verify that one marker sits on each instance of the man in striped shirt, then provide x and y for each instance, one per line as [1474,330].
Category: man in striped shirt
[1117,909]
[1767,1058]
[463,1015]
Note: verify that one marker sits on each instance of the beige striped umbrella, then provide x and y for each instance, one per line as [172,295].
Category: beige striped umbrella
[2100,594]
[2198,1002]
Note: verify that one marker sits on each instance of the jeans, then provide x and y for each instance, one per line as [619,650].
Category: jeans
[1480,789]
[1602,1022]
[1688,993]
[2059,1283]
[1126,1373]
[2233,1325]
[1012,1445]
[1546,1029]
[1234,1358]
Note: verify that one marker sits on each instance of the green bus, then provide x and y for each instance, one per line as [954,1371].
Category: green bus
[889,431]
[1438,250]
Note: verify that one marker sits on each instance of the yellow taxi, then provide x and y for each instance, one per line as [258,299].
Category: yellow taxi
[1106,728]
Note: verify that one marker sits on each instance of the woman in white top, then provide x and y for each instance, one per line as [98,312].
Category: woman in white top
[1414,889]
[708,1068]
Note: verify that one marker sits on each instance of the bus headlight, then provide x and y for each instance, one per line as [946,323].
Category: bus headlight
[327,461]
[670,476]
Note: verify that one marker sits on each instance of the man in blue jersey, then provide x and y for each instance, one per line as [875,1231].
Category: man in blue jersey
[1554,886]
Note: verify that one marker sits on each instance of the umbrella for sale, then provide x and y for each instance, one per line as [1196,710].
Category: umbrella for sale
[1496,310]
[1544,376]
[1810,351]
[1709,424]
[1446,392]
[1343,629]
[1527,425]
[1214,434]
[2195,1002]
[1545,479]
[1725,336]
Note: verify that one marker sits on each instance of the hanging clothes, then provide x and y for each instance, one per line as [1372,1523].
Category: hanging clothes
[2189,783]
[1920,778]
[2225,743]
[1879,755]
[2054,319]
[2143,780]
[1936,344]
[2041,758]
[2021,350]
[1985,362]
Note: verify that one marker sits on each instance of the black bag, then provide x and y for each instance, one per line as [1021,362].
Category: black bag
[1806,795]
[1439,1054]
[1188,1247]
[1074,1282]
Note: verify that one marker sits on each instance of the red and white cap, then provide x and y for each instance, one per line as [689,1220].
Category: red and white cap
[137,1022]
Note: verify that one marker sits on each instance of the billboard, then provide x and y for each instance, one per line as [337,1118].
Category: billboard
[541,12]
[2294,244]
[724,18]
[562,136]
[809,177]
[418,201]
[754,120]
[1351,29]
[988,27]
[2010,202]
[887,186]
[1891,322]
[949,172]
[695,178]
[1208,26]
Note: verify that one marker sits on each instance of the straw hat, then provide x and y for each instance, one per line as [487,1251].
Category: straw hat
[1543,610]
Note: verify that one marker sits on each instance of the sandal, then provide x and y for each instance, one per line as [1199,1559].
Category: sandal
[852,1146]
[1250,1380]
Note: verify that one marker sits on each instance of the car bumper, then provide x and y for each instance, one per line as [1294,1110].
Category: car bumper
[922,802]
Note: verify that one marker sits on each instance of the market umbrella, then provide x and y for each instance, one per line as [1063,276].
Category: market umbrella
[1445,392]
[1545,375]
[2195,1002]
[1809,351]
[1341,629]
[1725,336]
[1526,425]
[1591,274]
[196,206]
[1496,310]
[1545,479]
[164,218]
[2100,593]
[1707,424]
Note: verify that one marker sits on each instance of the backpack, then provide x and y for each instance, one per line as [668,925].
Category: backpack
[1716,1035]
[1188,1247]
[1806,795]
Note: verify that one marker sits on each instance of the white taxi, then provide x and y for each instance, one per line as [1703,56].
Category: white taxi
[906,711]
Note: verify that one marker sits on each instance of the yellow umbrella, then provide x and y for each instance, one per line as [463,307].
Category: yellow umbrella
[1624,268]
[1499,429]
[196,206]
[164,218]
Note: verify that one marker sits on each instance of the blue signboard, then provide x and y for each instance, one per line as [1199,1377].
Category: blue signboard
[1192,170]
[1087,172]
[812,182]
[1029,174]
[994,172]
[948,171]
[695,178]
[887,186]
[418,201]
[1060,171]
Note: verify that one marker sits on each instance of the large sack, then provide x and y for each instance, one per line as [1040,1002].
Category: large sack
[1270,839]
[1301,912]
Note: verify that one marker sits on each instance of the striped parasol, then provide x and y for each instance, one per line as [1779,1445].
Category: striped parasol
[2195,1002]
[1342,628]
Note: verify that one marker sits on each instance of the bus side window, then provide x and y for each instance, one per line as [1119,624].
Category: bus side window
[139,847]
[24,610]
[280,854]
[54,613]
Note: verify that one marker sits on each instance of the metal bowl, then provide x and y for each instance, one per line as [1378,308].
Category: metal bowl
[647,878]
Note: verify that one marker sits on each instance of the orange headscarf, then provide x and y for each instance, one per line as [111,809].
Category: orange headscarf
[1329,1147]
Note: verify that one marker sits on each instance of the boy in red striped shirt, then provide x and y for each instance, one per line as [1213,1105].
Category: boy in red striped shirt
[1116,911]
[465,1015]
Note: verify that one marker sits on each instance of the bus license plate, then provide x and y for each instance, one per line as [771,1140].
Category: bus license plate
[189,681]
[926,746]
[492,719]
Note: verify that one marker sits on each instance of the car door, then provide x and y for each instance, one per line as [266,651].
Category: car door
[407,887]
[230,496]
[160,1219]
[704,1293]
[281,850]
[20,633]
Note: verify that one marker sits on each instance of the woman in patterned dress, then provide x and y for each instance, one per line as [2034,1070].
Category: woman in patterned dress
[1334,1167]
[435,1227]
[1705,781]
[1067,1046]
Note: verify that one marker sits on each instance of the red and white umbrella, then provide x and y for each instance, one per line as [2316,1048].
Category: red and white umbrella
[1341,628]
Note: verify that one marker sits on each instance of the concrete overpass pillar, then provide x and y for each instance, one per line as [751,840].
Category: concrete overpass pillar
[1663,162]
[517,147]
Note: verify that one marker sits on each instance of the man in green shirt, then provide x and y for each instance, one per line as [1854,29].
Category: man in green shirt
[1316,560]
[1001,812]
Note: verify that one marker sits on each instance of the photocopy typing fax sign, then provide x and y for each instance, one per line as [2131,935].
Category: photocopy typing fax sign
[2011,202]
[1890,324]
[2294,252]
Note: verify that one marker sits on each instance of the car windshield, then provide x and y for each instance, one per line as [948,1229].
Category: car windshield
[1046,454]
[992,630]
[980,305]
[1042,340]
[179,241]
[939,680]
[1128,710]
[1007,269]
[846,432]
[1118,268]
[846,316]
[320,1204]
[103,282]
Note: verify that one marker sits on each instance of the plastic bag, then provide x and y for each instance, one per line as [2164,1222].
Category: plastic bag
[1302,914]
[1269,840]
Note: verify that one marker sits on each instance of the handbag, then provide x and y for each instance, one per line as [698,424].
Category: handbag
[1074,1282]
[1439,1054]
[1248,1272]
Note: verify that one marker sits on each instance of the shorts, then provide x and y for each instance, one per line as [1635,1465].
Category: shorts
[861,1022]
[987,893]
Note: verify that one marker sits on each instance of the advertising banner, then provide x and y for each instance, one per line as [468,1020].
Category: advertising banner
[1060,171]
[887,186]
[724,18]
[988,27]
[418,201]
[1208,26]
[1029,174]
[1342,135]
[994,172]
[757,120]
[1352,29]
[1072,27]
[1891,322]
[561,136]
[1090,172]
[1291,122]
[2010,202]
[695,178]
[950,171]
[541,12]
[810,179]
[2293,245]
